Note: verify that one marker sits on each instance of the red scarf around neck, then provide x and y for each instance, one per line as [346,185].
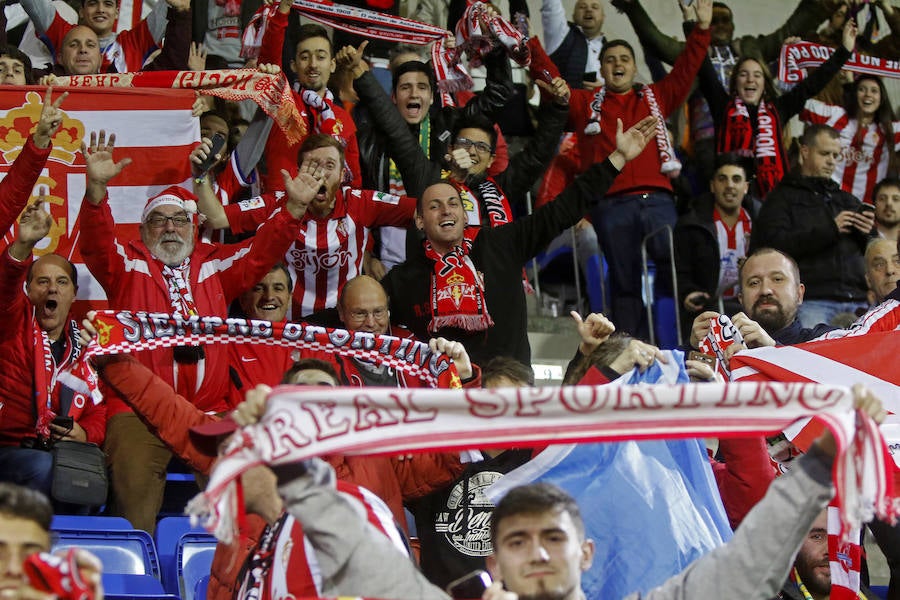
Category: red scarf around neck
[736,134]
[457,289]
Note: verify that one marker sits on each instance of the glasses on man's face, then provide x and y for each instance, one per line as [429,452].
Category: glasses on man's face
[466,143]
[158,221]
[881,265]
[361,315]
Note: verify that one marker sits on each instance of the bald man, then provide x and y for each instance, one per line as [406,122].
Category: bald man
[882,269]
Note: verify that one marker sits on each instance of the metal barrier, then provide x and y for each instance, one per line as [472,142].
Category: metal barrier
[648,291]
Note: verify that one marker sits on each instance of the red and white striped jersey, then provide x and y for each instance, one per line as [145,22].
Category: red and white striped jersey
[862,164]
[285,564]
[329,250]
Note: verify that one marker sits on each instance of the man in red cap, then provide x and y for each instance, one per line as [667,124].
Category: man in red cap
[168,271]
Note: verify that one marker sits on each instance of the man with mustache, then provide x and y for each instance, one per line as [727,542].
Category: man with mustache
[770,294]
[168,271]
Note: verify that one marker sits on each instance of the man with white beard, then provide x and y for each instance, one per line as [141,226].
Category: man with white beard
[168,271]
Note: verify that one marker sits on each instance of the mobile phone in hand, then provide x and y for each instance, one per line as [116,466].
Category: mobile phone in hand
[218,143]
[470,586]
[64,422]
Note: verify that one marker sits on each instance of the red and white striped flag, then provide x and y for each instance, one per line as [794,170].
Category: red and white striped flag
[869,359]
[153,127]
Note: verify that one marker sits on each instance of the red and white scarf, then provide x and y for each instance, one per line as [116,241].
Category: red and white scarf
[451,75]
[796,58]
[736,135]
[177,282]
[125,331]
[471,39]
[722,333]
[70,371]
[302,422]
[670,165]
[361,21]
[457,289]
[270,92]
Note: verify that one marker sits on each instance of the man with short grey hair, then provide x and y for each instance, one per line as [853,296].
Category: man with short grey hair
[824,229]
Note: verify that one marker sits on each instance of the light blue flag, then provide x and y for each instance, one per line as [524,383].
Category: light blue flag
[652,507]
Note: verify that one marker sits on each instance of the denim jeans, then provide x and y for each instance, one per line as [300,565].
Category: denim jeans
[27,467]
[621,222]
[813,312]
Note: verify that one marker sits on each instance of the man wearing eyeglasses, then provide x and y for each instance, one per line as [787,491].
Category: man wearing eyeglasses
[168,271]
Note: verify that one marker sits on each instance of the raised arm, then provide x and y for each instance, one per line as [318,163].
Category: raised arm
[16,187]
[792,102]
[416,170]
[555,24]
[652,39]
[757,560]
[806,17]
[207,202]
[528,165]
[97,239]
[41,13]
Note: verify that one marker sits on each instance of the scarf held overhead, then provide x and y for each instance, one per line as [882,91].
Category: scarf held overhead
[125,331]
[301,423]
[270,92]
[796,58]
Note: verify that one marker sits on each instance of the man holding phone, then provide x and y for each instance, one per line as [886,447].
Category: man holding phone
[822,227]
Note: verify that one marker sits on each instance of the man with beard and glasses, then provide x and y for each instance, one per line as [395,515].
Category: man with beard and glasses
[328,251]
[167,271]
[770,294]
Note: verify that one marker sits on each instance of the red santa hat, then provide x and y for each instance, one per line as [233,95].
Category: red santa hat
[171,196]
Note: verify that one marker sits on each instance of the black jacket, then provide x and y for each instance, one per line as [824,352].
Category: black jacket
[499,253]
[795,333]
[382,134]
[697,256]
[798,218]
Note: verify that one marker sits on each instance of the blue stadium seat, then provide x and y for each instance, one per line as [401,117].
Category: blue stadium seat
[200,588]
[168,533]
[78,522]
[125,552]
[119,586]
[195,554]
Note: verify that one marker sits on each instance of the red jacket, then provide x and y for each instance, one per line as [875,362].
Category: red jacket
[169,417]
[16,187]
[219,273]
[17,365]
[642,173]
